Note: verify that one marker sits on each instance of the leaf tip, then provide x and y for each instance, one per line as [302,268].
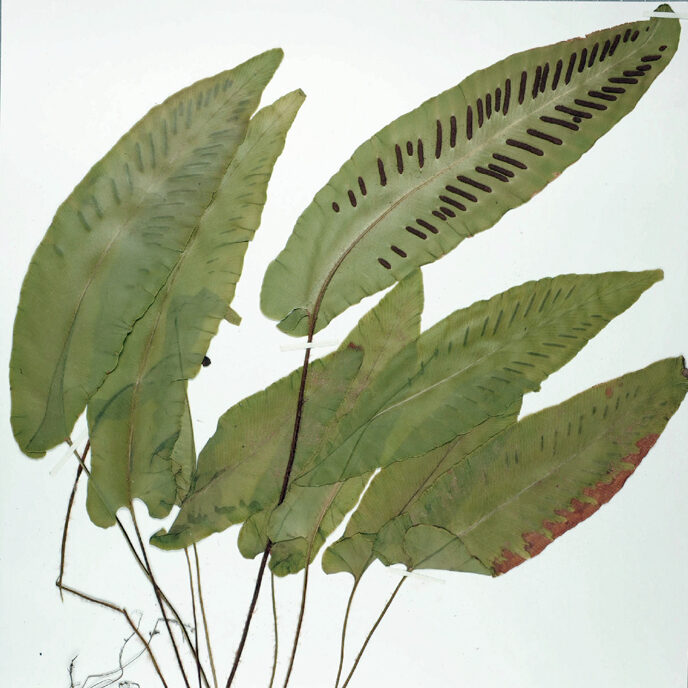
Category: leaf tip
[274,53]
[664,7]
[656,275]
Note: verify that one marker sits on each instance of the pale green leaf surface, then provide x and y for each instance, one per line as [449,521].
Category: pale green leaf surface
[380,516]
[421,546]
[381,334]
[351,555]
[113,243]
[253,534]
[441,171]
[475,363]
[241,467]
[430,547]
[388,327]
[136,415]
[514,495]
[300,525]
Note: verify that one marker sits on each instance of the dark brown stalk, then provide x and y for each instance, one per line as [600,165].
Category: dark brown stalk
[165,599]
[142,566]
[302,609]
[122,611]
[193,611]
[251,609]
[70,504]
[299,623]
[372,630]
[285,484]
[158,597]
[297,423]
[344,625]
[274,620]
[205,618]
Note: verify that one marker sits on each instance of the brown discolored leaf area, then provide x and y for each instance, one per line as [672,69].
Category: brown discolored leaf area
[601,493]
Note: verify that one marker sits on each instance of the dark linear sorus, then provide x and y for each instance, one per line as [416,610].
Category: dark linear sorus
[577,62]
[503,174]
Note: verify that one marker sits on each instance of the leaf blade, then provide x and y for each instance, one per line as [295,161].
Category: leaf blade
[565,463]
[378,526]
[240,469]
[135,436]
[362,244]
[300,525]
[124,224]
[477,362]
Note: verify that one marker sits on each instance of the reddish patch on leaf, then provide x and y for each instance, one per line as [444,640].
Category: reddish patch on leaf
[644,445]
[506,561]
[535,542]
[578,511]
[574,515]
[355,347]
[608,392]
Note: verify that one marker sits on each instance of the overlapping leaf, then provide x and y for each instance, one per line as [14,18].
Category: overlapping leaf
[475,364]
[484,506]
[455,165]
[378,526]
[513,496]
[378,336]
[240,469]
[299,526]
[113,243]
[135,417]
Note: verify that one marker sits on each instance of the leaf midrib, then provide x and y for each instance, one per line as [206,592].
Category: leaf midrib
[558,467]
[432,178]
[102,257]
[525,333]
[168,287]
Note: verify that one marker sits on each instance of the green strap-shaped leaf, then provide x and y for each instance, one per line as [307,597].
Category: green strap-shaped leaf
[513,496]
[136,415]
[299,526]
[377,527]
[475,364]
[240,469]
[378,336]
[113,243]
[455,165]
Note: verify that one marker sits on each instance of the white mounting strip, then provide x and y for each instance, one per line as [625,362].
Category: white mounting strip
[301,346]
[68,453]
[414,574]
[666,15]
